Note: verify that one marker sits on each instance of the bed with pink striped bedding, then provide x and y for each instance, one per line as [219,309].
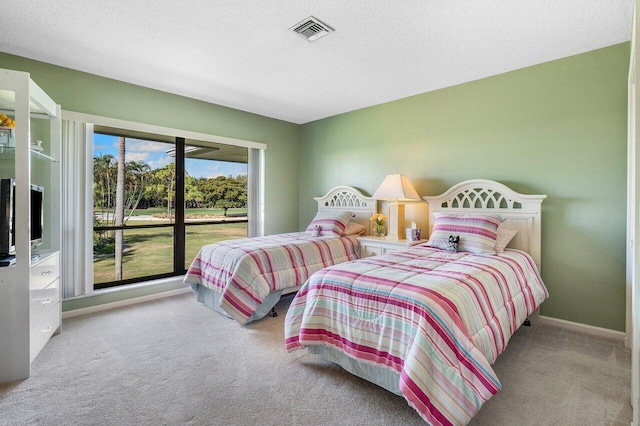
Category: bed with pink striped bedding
[244,278]
[424,323]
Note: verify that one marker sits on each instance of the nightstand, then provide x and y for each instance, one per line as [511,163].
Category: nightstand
[373,246]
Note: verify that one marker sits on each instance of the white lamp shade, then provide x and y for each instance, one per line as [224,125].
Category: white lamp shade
[396,187]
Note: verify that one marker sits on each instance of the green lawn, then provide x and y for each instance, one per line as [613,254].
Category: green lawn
[150,251]
[201,212]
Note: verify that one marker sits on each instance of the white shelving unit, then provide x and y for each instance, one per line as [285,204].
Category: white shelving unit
[30,307]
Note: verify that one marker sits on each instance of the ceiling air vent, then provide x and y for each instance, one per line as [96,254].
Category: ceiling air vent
[311,29]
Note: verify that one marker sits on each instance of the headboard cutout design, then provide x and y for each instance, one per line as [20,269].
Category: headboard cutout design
[521,212]
[481,198]
[347,198]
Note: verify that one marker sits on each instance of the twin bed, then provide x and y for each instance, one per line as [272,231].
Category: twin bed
[427,323]
[245,278]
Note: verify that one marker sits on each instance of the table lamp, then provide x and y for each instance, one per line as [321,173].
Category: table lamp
[397,188]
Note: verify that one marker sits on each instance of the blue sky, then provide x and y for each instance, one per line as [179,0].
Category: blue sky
[153,153]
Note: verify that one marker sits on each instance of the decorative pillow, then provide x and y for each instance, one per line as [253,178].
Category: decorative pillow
[354,228]
[452,246]
[329,223]
[478,233]
[504,237]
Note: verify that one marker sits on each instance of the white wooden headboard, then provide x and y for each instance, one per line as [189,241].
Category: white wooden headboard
[347,198]
[521,212]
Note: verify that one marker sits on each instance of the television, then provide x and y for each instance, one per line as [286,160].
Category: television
[8,216]
[37,215]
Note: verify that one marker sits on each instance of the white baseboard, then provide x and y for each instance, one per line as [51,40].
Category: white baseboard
[121,303]
[583,328]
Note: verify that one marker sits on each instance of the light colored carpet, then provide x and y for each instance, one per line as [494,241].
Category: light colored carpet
[174,361]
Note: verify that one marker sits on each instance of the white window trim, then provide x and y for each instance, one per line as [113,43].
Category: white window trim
[88,197]
[92,120]
[161,130]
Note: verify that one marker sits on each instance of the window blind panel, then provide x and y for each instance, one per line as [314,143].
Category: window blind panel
[76,183]
[255,193]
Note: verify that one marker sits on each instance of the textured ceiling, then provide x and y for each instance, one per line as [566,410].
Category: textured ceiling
[241,54]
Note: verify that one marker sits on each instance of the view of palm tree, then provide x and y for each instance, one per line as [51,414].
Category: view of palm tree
[134,211]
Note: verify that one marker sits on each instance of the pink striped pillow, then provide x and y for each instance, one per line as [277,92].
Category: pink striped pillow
[478,233]
[327,223]
[504,237]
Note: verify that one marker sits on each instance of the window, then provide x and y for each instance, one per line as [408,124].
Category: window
[157,200]
[184,233]
[215,196]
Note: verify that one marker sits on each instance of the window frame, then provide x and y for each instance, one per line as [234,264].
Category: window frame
[255,201]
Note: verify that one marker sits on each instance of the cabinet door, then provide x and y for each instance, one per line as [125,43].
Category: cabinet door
[43,330]
[42,301]
[44,273]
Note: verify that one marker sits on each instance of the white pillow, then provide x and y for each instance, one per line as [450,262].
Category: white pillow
[504,237]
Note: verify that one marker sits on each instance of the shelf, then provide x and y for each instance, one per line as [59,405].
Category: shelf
[40,105]
[26,325]
[42,156]
[8,100]
[9,153]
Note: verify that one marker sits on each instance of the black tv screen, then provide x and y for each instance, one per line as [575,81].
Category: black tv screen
[37,198]
[8,216]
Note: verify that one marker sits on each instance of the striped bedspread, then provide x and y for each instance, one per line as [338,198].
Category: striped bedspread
[245,271]
[437,319]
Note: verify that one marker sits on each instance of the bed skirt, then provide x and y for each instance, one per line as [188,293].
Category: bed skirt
[383,377]
[212,299]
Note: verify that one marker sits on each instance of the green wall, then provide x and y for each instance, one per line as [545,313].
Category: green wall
[557,128]
[91,94]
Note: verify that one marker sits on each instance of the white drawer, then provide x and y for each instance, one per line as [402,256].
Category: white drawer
[42,300]
[367,250]
[43,330]
[45,272]
[389,250]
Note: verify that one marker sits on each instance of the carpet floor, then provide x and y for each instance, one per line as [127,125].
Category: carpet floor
[174,361]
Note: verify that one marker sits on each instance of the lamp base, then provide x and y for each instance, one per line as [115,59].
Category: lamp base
[396,222]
